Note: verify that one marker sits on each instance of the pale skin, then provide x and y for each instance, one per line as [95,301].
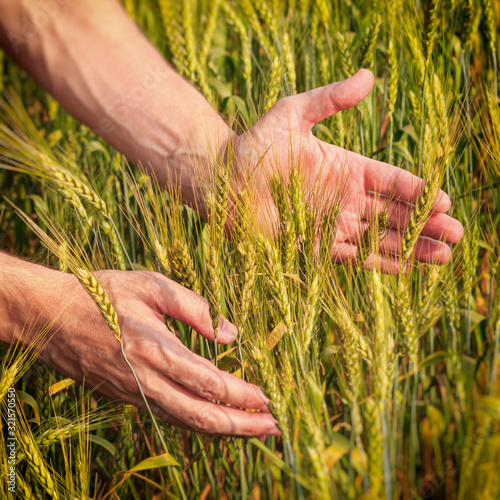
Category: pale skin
[103,71]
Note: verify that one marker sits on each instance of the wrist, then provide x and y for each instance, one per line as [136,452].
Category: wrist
[31,298]
[186,164]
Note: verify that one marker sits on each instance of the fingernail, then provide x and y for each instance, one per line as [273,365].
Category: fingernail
[227,331]
[274,432]
[272,420]
[262,396]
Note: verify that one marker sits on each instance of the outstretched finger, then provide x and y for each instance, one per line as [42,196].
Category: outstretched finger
[348,253]
[439,226]
[426,250]
[396,183]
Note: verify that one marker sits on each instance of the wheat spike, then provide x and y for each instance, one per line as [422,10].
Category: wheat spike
[255,24]
[174,34]
[288,235]
[429,27]
[374,448]
[8,378]
[210,25]
[419,214]
[310,312]
[467,22]
[182,264]
[325,76]
[369,41]
[381,353]
[297,201]
[101,299]
[275,78]
[213,286]
[42,393]
[392,84]
[267,374]
[123,440]
[289,64]
[247,264]
[37,465]
[276,280]
[408,335]
[161,255]
[269,19]
[489,20]
[246,46]
[343,52]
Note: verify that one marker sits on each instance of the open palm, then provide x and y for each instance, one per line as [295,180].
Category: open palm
[283,137]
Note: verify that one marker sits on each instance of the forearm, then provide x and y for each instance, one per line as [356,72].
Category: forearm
[101,68]
[30,299]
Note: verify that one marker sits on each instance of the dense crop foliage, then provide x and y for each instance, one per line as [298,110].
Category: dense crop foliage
[383,385]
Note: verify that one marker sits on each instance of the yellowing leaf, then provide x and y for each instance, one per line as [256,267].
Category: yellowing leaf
[275,336]
[336,450]
[491,406]
[358,317]
[295,277]
[164,460]
[436,420]
[231,350]
[433,358]
[237,373]
[59,386]
[359,461]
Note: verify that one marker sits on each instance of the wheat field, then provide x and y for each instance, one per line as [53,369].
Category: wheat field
[383,384]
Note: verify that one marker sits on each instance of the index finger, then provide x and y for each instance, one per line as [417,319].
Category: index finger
[396,183]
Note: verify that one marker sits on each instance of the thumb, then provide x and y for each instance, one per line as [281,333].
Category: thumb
[188,307]
[323,102]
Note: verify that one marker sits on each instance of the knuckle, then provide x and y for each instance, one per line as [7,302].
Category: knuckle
[211,387]
[203,319]
[129,385]
[205,421]
[283,105]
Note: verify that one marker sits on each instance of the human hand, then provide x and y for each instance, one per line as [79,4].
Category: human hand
[177,383]
[283,137]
